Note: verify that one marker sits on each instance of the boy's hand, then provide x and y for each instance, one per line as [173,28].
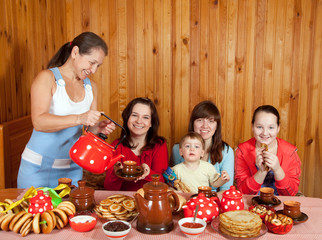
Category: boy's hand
[225,176]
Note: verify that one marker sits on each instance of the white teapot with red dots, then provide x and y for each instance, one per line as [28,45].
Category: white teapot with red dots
[40,203]
[208,208]
[92,153]
[232,199]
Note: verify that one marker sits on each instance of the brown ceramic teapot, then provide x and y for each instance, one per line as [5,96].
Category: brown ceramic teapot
[155,211]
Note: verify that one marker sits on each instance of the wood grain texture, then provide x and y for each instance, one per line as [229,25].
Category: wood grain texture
[238,53]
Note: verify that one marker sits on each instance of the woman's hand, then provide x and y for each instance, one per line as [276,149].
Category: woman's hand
[89,118]
[146,172]
[118,165]
[106,127]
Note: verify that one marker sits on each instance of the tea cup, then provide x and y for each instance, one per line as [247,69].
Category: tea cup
[66,181]
[266,195]
[130,168]
[207,191]
[292,209]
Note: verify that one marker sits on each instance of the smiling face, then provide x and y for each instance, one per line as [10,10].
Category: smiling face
[139,121]
[265,128]
[87,64]
[191,149]
[206,127]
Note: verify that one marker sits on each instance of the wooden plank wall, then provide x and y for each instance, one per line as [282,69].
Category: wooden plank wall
[238,53]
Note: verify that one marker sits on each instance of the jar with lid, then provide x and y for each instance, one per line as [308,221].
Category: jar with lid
[232,199]
[40,203]
[82,197]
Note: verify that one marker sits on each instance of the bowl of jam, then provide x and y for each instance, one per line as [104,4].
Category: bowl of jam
[192,229]
[116,229]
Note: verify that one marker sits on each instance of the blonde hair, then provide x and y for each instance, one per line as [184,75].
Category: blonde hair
[192,135]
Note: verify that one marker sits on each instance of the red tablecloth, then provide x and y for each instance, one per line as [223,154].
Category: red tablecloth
[311,229]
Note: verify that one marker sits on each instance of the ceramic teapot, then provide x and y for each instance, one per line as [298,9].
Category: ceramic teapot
[232,199]
[155,210]
[208,207]
[93,153]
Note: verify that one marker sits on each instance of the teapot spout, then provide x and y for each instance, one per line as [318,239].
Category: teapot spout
[141,202]
[114,160]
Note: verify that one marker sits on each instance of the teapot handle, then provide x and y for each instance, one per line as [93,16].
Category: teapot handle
[123,130]
[176,200]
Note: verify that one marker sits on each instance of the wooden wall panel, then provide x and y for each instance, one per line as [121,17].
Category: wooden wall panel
[238,53]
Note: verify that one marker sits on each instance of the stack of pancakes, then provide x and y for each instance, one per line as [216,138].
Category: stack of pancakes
[117,206]
[240,223]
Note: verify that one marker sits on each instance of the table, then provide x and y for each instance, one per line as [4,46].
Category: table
[312,229]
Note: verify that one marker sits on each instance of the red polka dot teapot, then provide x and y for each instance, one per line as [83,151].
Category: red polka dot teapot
[232,199]
[92,153]
[40,203]
[208,208]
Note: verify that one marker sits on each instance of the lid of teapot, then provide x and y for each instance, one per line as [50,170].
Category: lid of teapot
[232,193]
[155,186]
[82,191]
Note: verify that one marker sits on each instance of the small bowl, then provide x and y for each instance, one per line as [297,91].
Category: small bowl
[192,232]
[279,229]
[82,222]
[117,235]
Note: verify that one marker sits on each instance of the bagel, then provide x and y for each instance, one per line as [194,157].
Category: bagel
[59,223]
[25,225]
[53,217]
[21,221]
[48,226]
[67,210]
[2,217]
[15,219]
[15,209]
[35,223]
[6,221]
[26,229]
[62,215]
[69,205]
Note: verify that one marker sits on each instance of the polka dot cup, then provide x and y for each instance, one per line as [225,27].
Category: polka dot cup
[232,200]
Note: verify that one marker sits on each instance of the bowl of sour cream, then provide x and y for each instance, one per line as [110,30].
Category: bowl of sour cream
[82,222]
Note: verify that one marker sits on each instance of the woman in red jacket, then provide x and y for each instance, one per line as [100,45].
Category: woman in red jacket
[278,166]
[142,144]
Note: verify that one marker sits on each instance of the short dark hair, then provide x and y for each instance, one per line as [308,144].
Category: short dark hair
[267,109]
[152,136]
[86,42]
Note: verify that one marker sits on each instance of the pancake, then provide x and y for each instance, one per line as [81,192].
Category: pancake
[241,223]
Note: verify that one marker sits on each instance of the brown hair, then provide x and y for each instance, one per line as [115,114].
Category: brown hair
[267,109]
[152,136]
[192,135]
[86,42]
[207,109]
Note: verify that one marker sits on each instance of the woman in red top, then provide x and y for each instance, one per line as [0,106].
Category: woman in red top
[278,167]
[142,144]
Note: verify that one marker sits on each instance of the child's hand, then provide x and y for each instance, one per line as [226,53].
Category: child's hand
[146,172]
[225,176]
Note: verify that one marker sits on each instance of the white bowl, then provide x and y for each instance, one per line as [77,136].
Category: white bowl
[117,235]
[192,232]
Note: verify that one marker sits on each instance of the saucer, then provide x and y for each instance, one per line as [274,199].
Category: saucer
[301,219]
[256,200]
[126,177]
